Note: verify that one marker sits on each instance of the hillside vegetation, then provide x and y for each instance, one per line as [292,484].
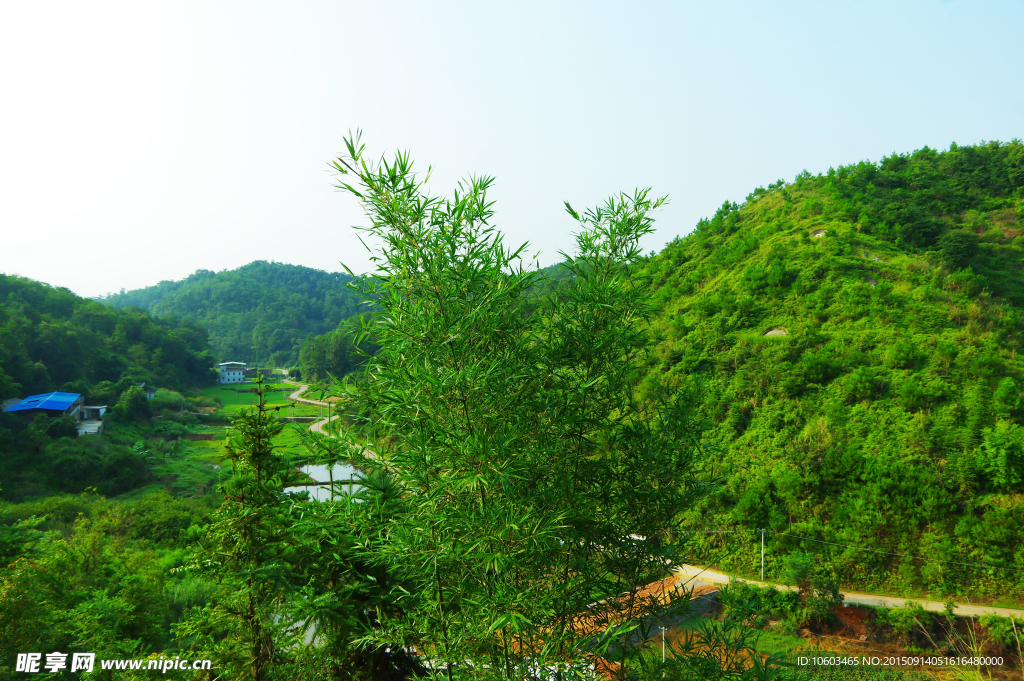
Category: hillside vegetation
[258,312]
[51,339]
[862,384]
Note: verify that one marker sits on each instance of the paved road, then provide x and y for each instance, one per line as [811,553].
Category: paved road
[317,427]
[700,576]
[295,396]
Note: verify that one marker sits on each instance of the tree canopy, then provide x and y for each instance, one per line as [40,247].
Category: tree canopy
[51,339]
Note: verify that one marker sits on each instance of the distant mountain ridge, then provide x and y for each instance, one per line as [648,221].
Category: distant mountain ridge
[259,312]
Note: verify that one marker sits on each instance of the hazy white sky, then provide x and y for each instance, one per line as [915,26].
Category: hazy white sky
[141,141]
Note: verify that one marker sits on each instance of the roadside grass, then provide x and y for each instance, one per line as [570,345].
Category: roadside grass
[139,492]
[770,642]
[303,410]
[766,642]
[792,648]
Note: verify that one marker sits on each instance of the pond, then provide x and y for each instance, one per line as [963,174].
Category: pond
[341,471]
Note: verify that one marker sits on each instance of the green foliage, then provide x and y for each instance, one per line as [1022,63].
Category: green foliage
[1004,631]
[133,405]
[96,581]
[341,352]
[291,600]
[712,650]
[243,549]
[37,464]
[884,411]
[56,428]
[813,603]
[903,620]
[50,339]
[334,354]
[167,399]
[530,484]
[258,312]
[958,248]
[1002,456]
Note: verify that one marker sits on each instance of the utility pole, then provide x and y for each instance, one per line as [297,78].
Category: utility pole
[663,651]
[762,554]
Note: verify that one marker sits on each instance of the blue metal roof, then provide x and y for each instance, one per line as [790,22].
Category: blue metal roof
[49,401]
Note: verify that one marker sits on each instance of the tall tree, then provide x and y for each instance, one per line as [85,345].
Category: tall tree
[534,485]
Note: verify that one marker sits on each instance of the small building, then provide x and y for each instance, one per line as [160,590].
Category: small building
[232,372]
[54,405]
[93,413]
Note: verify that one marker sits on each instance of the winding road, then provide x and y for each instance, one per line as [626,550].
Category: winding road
[317,427]
[705,576]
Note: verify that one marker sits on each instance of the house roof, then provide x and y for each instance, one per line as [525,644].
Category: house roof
[224,364]
[50,401]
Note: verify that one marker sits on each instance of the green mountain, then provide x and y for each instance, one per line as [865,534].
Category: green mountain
[855,338]
[258,312]
[51,339]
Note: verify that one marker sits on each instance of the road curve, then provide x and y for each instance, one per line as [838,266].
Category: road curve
[699,576]
[296,396]
[317,427]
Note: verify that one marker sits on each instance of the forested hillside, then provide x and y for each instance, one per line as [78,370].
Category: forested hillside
[856,336]
[51,339]
[258,312]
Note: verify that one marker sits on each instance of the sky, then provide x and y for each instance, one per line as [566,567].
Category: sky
[141,141]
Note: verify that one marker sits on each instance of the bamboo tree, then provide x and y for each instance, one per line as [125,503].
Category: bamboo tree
[537,493]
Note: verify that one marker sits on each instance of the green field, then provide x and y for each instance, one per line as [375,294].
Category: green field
[234,402]
[231,398]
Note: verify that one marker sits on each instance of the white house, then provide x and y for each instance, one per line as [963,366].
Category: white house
[232,372]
